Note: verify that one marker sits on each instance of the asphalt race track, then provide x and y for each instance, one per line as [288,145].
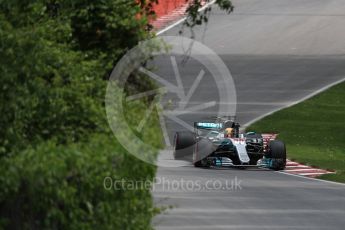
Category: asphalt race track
[278,52]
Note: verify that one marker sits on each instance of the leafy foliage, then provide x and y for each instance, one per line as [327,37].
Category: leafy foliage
[48,91]
[62,187]
[55,145]
[196,17]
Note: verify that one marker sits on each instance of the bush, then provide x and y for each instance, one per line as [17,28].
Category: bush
[61,187]
[55,144]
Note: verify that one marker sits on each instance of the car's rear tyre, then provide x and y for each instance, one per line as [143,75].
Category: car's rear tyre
[277,154]
[183,144]
[201,164]
[202,149]
[196,161]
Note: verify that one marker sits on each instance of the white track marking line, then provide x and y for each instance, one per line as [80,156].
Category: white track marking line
[303,170]
[295,102]
[311,178]
[183,19]
[298,166]
[312,174]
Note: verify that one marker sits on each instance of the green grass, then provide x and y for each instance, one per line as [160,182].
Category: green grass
[314,131]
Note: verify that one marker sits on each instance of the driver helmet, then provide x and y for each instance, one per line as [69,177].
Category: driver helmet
[229,132]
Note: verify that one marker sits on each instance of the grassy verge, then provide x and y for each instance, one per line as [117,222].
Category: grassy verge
[313,131]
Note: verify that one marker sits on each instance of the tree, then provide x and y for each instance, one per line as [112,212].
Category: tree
[55,58]
[196,17]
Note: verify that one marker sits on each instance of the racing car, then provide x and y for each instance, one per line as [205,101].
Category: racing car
[219,144]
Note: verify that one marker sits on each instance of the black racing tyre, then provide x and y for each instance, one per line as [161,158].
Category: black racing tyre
[202,163]
[277,152]
[183,144]
[253,161]
[202,149]
[253,135]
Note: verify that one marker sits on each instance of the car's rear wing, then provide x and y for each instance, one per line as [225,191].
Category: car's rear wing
[208,125]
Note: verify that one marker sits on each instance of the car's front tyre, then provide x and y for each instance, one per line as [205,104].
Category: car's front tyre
[277,154]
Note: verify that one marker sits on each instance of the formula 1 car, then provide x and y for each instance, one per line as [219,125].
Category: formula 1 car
[220,143]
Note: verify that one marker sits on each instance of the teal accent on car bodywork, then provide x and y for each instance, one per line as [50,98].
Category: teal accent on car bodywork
[209,125]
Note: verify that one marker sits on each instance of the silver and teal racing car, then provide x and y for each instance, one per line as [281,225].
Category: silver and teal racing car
[220,144]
